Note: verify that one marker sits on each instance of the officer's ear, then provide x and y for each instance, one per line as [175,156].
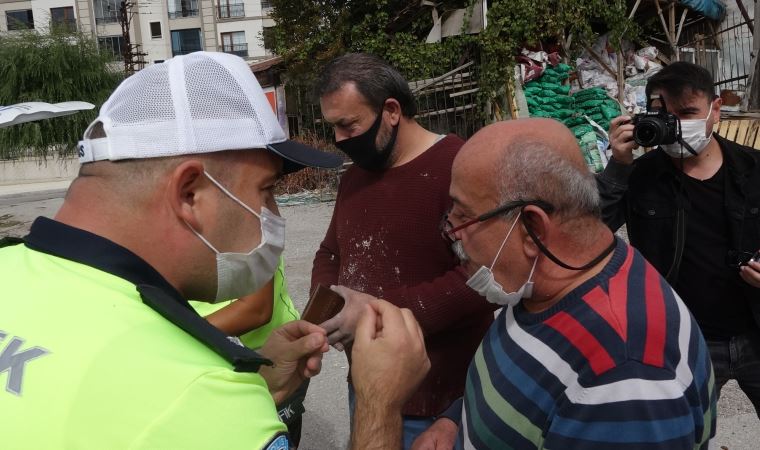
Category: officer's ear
[188,192]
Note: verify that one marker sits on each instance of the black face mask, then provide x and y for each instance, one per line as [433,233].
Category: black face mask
[364,152]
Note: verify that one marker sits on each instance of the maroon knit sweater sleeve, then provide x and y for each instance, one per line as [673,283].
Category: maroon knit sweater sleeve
[326,263]
[440,303]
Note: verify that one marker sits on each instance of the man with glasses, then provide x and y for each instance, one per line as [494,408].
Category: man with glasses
[593,349]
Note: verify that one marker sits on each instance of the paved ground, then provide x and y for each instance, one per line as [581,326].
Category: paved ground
[326,423]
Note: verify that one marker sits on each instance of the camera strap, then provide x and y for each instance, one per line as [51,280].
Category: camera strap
[679,234]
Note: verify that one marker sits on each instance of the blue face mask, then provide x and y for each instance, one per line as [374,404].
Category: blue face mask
[363,151]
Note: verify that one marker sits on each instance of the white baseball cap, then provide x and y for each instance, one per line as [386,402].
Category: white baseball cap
[198,103]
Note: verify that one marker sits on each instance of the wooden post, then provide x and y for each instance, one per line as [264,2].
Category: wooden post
[746,15]
[752,96]
[621,76]
[666,30]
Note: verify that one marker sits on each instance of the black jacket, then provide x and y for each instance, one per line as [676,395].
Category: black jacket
[647,197]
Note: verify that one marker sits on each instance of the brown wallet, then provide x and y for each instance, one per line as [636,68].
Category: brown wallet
[323,305]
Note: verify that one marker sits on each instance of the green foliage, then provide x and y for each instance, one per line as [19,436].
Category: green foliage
[55,67]
[513,24]
[311,32]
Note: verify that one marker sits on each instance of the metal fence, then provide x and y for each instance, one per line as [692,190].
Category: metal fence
[723,49]
[446,103]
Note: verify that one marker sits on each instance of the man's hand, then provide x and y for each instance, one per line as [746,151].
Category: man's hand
[441,435]
[296,350]
[388,363]
[340,329]
[388,356]
[621,139]
[751,273]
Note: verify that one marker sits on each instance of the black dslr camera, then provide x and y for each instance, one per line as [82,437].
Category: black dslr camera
[655,127]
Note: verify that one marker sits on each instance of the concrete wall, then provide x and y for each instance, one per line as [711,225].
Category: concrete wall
[34,170]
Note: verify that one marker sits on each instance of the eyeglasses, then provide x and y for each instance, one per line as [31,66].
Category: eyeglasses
[735,259]
[448,229]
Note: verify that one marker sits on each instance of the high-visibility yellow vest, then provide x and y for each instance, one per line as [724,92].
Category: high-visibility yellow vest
[85,364]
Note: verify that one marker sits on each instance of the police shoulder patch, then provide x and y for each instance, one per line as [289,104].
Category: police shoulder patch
[279,442]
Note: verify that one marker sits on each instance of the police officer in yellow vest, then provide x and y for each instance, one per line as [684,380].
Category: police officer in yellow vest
[98,345]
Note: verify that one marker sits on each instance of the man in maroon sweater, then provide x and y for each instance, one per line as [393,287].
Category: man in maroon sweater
[384,239]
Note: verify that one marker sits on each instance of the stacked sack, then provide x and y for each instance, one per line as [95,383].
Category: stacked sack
[548,97]
[597,105]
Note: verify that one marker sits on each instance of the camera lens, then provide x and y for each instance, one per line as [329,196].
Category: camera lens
[649,132]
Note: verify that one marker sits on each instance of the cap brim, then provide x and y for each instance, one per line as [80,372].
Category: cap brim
[297,156]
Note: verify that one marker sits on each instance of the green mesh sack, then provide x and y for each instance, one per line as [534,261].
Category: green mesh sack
[609,113]
[591,94]
[531,102]
[533,90]
[540,113]
[580,130]
[564,113]
[588,104]
[563,68]
[574,121]
[565,100]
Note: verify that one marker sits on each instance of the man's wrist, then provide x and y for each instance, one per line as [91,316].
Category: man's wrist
[376,426]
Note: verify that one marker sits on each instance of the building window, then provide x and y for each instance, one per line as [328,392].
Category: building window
[20,20]
[266,5]
[112,45]
[186,41]
[155,30]
[183,8]
[235,43]
[228,9]
[268,38]
[106,11]
[63,18]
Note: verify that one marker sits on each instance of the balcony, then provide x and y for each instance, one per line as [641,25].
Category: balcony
[230,10]
[183,13]
[236,49]
[110,17]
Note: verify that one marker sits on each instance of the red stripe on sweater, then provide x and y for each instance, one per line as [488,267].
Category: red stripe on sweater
[600,302]
[619,293]
[598,358]
[654,345]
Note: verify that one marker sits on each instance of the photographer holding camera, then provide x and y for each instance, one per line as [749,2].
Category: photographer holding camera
[692,208]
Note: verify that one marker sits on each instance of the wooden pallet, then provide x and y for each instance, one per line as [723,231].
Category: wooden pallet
[745,131]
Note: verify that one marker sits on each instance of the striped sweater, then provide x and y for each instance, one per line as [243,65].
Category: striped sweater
[618,363]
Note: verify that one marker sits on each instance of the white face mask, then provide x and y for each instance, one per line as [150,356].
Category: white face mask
[240,274]
[693,132]
[484,283]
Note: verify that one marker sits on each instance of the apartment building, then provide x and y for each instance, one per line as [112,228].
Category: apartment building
[161,28]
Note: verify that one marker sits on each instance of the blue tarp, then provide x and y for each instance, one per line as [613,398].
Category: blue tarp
[713,9]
